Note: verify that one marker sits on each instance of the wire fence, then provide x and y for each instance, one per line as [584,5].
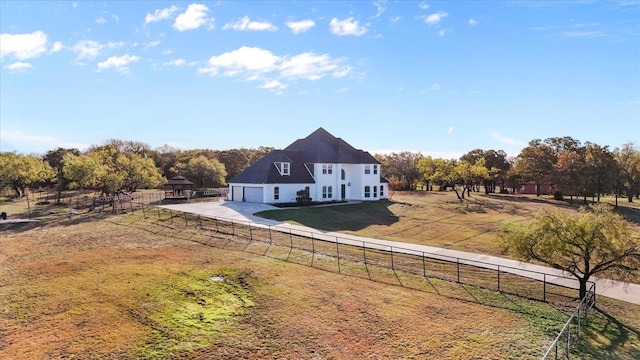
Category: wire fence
[571,332]
[344,252]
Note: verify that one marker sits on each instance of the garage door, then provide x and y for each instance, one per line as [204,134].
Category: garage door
[236,194]
[253,194]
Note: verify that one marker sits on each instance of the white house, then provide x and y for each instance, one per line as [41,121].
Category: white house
[330,168]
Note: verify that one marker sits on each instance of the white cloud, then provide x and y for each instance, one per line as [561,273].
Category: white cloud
[40,143]
[194,17]
[506,140]
[245,59]
[116,18]
[160,14]
[274,86]
[347,27]
[450,130]
[473,22]
[395,19]
[424,6]
[300,26]
[256,64]
[435,18]
[90,49]
[101,20]
[180,62]
[119,63]
[245,24]
[23,46]
[57,46]
[18,66]
[379,4]
[443,32]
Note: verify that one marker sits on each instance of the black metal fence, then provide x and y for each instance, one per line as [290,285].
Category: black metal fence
[344,254]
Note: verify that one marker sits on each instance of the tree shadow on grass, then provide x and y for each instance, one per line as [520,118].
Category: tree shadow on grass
[350,217]
[606,337]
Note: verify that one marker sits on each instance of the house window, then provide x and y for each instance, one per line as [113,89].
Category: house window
[367,169]
[381,191]
[375,191]
[327,192]
[327,168]
[283,168]
[343,175]
[276,193]
[375,169]
[367,191]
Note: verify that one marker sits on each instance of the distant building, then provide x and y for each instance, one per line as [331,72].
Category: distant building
[532,188]
[330,168]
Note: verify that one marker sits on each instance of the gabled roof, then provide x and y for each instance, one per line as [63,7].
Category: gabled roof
[265,172]
[319,147]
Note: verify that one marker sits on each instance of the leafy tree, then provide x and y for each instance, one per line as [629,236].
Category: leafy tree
[445,173]
[401,166]
[204,171]
[592,241]
[569,173]
[599,170]
[628,159]
[21,171]
[55,158]
[496,164]
[108,170]
[426,169]
[535,163]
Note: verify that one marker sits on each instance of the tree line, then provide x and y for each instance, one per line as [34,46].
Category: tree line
[567,166]
[563,164]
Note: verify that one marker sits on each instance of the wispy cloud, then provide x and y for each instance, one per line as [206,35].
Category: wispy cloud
[506,140]
[473,22]
[18,66]
[194,17]
[180,62]
[300,26]
[160,14]
[245,24]
[90,49]
[273,71]
[39,143]
[118,63]
[23,46]
[435,18]
[379,4]
[347,27]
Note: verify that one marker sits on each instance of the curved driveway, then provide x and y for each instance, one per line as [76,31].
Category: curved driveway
[243,212]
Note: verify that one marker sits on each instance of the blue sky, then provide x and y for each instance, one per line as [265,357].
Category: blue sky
[442,78]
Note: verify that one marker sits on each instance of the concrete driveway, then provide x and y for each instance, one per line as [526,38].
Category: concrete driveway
[243,212]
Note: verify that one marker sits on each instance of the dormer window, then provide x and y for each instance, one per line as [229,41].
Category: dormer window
[283,168]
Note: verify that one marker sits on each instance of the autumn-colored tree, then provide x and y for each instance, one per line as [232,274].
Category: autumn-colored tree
[19,171]
[445,173]
[628,159]
[535,163]
[401,166]
[593,241]
[426,169]
[569,173]
[496,164]
[600,169]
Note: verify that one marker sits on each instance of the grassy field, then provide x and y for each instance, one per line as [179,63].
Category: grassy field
[111,286]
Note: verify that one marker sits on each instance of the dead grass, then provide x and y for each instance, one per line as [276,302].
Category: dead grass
[118,286]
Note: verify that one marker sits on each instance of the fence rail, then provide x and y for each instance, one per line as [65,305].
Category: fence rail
[526,283]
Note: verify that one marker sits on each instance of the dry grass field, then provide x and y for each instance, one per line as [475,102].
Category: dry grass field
[118,286]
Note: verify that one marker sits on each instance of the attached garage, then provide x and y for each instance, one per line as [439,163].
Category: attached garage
[253,194]
[236,193]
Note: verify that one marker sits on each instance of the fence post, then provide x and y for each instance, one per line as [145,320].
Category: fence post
[269,234]
[171,215]
[200,221]
[338,254]
[424,265]
[186,223]
[250,233]
[544,287]
[159,218]
[458,267]
[498,277]
[392,267]
[217,225]
[364,254]
[144,216]
[233,229]
[313,249]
